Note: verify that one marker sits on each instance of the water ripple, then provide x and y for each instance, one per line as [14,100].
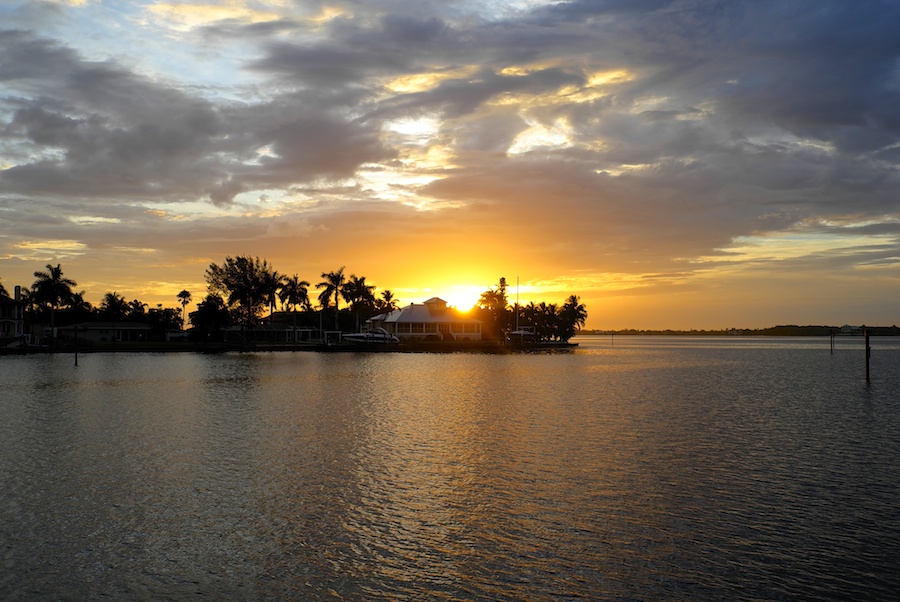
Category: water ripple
[626,471]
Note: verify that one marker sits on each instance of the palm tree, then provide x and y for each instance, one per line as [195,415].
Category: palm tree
[387,302]
[81,308]
[358,293]
[136,310]
[53,290]
[544,319]
[324,299]
[359,296]
[493,303]
[113,307]
[184,297]
[294,292]
[271,283]
[333,283]
[572,317]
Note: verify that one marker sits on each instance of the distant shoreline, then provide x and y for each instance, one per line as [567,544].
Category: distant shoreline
[778,331]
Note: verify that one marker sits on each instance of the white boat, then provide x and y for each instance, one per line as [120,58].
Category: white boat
[376,335]
[521,333]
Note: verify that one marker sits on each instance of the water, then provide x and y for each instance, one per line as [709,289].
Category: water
[635,469]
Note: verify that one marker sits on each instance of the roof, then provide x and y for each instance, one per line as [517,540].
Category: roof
[123,325]
[433,311]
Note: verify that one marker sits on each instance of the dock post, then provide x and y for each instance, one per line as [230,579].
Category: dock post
[868,355]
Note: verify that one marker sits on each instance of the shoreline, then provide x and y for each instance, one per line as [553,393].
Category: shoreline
[212,348]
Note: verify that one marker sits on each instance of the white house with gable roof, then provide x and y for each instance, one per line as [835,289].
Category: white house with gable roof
[432,320]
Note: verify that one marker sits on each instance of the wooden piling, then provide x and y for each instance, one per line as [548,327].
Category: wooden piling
[868,355]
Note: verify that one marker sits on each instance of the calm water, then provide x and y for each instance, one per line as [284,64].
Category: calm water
[634,469]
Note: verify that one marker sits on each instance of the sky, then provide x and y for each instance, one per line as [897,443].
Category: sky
[676,164]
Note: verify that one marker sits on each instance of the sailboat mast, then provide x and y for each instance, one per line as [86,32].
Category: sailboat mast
[517,304]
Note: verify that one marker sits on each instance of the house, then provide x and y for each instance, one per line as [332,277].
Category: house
[102,332]
[432,320]
[270,332]
[12,316]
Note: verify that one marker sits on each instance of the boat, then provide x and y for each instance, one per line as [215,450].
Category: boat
[376,335]
[522,336]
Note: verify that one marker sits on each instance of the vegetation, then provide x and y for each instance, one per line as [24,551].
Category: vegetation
[52,301]
[52,291]
[548,322]
[243,283]
[332,284]
[211,317]
[241,290]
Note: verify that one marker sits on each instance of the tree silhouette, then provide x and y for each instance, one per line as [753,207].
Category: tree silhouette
[493,305]
[136,310]
[81,309]
[387,303]
[358,294]
[52,290]
[241,282]
[572,317]
[272,282]
[294,292]
[332,283]
[211,316]
[184,297]
[114,307]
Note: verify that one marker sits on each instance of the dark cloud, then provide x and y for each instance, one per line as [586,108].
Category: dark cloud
[100,130]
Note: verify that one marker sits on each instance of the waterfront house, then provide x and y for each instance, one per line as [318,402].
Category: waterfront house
[12,317]
[432,320]
[271,331]
[107,332]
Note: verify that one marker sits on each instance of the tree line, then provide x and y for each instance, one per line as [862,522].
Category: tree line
[52,299]
[547,321]
[241,289]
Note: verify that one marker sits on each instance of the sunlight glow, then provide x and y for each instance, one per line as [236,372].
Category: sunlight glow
[186,16]
[649,103]
[330,13]
[421,128]
[542,136]
[789,245]
[604,78]
[420,82]
[41,249]
[463,297]
[89,220]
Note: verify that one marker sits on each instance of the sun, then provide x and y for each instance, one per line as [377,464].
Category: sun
[462,296]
